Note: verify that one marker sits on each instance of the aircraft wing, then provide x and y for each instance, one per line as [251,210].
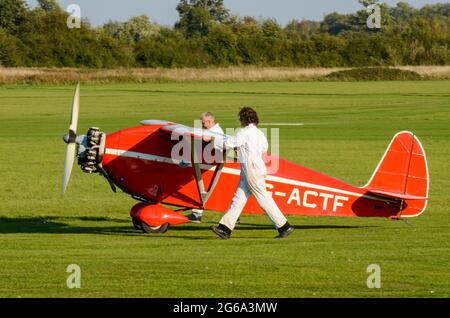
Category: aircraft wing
[156,122]
[182,130]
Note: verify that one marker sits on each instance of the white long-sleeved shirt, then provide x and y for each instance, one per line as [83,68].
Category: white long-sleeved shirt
[218,130]
[251,144]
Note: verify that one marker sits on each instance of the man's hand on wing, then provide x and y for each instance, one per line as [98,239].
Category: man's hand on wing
[208,138]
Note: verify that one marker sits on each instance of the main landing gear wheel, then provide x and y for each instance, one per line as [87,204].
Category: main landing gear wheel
[155,229]
[137,224]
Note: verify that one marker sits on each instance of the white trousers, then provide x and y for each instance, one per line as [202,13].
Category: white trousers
[252,185]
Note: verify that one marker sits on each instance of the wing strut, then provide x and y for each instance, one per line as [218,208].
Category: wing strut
[202,192]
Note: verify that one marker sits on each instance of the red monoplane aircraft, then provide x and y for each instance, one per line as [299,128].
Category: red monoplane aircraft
[140,161]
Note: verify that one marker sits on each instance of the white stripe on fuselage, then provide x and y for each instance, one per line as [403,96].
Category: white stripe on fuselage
[144,156]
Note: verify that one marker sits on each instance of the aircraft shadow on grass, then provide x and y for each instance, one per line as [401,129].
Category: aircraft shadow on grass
[56,225]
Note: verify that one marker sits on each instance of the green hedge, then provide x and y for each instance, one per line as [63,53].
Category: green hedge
[374,74]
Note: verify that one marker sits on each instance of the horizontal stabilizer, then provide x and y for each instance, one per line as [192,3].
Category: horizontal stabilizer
[397,195]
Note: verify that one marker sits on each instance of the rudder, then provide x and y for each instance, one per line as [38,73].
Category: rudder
[403,174]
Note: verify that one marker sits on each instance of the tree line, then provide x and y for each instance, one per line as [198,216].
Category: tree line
[208,34]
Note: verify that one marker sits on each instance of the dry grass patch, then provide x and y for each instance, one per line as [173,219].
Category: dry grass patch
[229,74]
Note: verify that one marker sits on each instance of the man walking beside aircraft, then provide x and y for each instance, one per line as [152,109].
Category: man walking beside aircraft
[251,144]
[208,123]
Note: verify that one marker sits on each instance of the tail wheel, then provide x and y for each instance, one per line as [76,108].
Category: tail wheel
[155,229]
[137,224]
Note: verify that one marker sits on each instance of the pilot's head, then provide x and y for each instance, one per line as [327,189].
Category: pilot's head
[208,120]
[247,116]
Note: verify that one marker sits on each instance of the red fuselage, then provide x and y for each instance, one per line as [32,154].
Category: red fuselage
[139,161]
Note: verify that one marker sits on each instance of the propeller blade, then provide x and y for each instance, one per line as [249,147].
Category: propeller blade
[75,110]
[70,140]
[68,164]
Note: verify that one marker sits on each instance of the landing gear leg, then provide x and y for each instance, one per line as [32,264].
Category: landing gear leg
[137,224]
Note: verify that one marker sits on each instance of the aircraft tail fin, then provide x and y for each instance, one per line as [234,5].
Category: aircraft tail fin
[403,174]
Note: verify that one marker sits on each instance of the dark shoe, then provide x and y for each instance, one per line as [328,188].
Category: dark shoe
[194,218]
[222,231]
[285,231]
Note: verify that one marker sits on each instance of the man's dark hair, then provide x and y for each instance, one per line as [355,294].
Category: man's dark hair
[248,116]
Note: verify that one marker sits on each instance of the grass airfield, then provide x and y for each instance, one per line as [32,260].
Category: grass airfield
[346,129]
